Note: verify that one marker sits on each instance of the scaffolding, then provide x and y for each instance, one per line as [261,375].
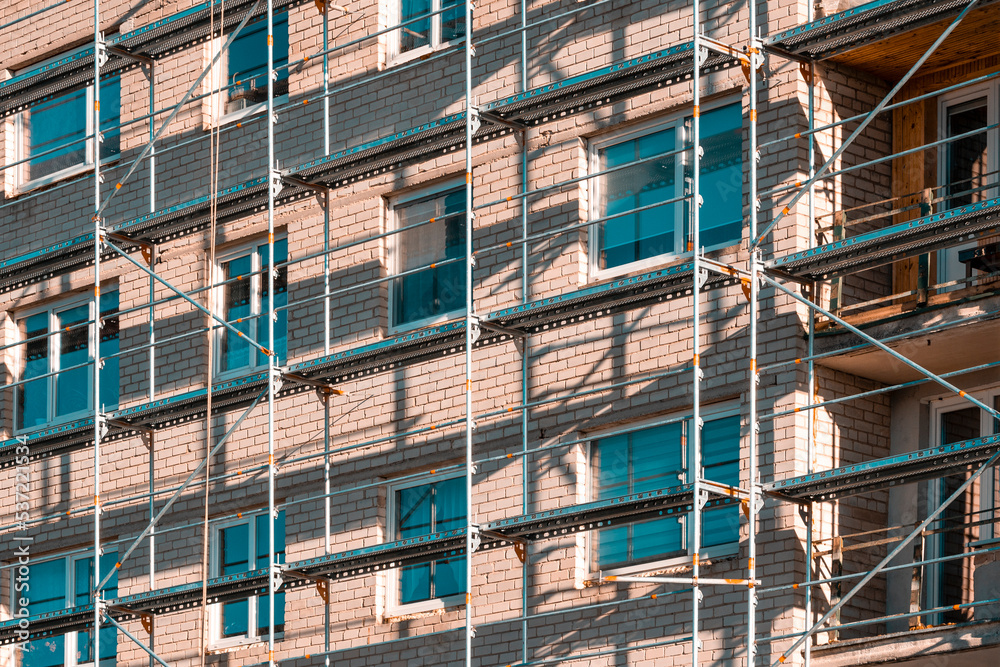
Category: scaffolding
[478,125]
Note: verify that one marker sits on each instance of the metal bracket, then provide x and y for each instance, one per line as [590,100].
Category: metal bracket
[475,119]
[323,588]
[324,387]
[701,499]
[102,51]
[276,578]
[276,379]
[702,277]
[702,55]
[496,119]
[515,333]
[302,183]
[102,426]
[474,329]
[145,247]
[475,537]
[277,184]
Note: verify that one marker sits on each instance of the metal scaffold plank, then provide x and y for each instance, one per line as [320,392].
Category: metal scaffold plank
[863,25]
[891,471]
[376,558]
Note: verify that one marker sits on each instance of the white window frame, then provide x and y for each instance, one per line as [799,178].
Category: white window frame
[392,255]
[709,413]
[69,638]
[938,408]
[393,607]
[682,129]
[221,98]
[54,338]
[256,305]
[392,39]
[216,640]
[948,266]
[22,185]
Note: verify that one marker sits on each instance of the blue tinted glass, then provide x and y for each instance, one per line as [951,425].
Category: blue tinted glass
[722,176]
[263,604]
[237,306]
[234,558]
[439,506]
[418,33]
[47,652]
[720,525]
[280,343]
[248,62]
[47,583]
[657,457]
[720,450]
[55,132]
[73,386]
[612,464]
[109,345]
[111,116]
[628,238]
[657,538]
[415,583]
[33,397]
[612,546]
[83,583]
[429,291]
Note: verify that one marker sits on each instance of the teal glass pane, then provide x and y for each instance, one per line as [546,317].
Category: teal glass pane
[720,525]
[234,558]
[418,33]
[657,458]
[110,375]
[439,506]
[47,581]
[429,292]
[47,652]
[612,546]
[280,342]
[55,132]
[111,117]
[83,584]
[720,450]
[73,386]
[33,397]
[722,176]
[650,233]
[657,539]
[453,20]
[247,61]
[263,605]
[235,352]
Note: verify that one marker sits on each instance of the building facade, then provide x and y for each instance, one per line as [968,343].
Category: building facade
[731,351]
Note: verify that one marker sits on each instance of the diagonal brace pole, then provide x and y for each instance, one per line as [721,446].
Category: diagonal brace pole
[804,188]
[180,489]
[177,108]
[890,556]
[136,641]
[885,348]
[180,293]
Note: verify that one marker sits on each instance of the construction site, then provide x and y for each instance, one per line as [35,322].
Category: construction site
[505,333]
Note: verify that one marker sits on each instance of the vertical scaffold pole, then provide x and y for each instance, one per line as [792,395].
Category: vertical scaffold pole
[753,422]
[695,461]
[327,501]
[95,333]
[754,434]
[469,318]
[271,171]
[526,412]
[811,366]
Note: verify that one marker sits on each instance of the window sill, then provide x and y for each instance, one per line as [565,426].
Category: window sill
[231,644]
[421,53]
[63,175]
[426,322]
[667,566]
[660,261]
[435,607]
[253,110]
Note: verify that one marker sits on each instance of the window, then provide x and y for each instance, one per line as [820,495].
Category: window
[968,166]
[432,231]
[58,350]
[53,135]
[241,546]
[246,66]
[59,584]
[624,240]
[244,300]
[956,530]
[422,509]
[656,458]
[429,33]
